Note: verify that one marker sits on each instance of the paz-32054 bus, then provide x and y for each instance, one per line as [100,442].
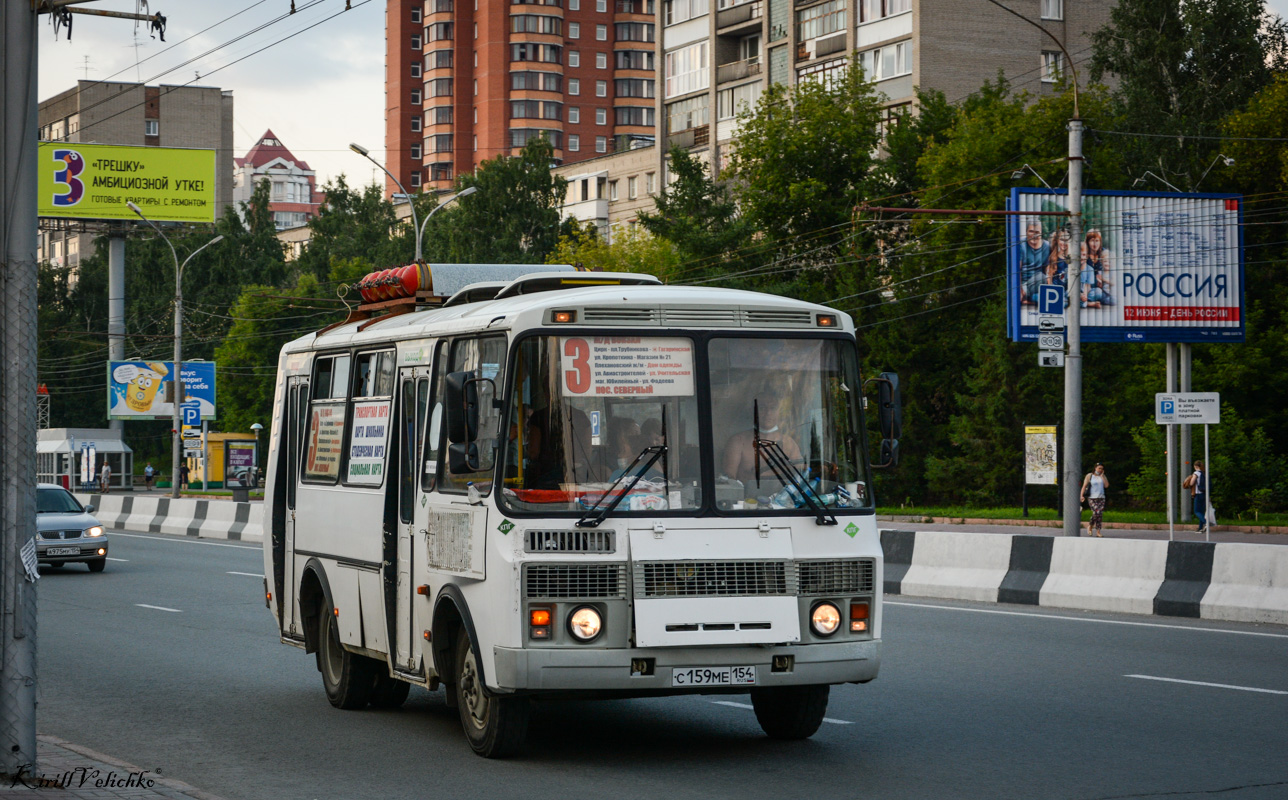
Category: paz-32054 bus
[575,484]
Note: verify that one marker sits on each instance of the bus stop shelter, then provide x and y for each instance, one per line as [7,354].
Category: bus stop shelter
[60,453]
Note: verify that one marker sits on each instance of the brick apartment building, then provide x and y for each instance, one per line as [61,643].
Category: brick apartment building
[468,80]
[293,195]
[107,112]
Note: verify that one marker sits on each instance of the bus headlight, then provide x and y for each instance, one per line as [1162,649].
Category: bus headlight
[825,619]
[585,624]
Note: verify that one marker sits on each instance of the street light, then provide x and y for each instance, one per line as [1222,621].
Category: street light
[178,341]
[416,224]
[256,428]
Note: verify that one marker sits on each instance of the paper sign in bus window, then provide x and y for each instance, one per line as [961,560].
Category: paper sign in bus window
[626,366]
[326,441]
[367,443]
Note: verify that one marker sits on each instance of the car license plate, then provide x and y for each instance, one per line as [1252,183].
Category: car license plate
[62,551]
[713,676]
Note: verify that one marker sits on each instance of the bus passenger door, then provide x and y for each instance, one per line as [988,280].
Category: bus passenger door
[297,411]
[413,401]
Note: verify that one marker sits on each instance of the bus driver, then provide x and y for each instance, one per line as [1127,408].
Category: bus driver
[740,451]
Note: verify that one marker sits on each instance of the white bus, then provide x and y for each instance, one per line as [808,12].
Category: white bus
[578,485]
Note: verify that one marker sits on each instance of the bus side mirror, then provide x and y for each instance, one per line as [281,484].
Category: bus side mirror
[889,453]
[463,458]
[462,404]
[889,408]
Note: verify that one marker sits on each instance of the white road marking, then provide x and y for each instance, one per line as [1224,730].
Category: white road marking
[247,574]
[159,608]
[749,705]
[109,558]
[1089,619]
[186,540]
[1204,683]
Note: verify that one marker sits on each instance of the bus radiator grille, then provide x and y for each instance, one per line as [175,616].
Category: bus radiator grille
[569,541]
[832,577]
[714,578]
[574,581]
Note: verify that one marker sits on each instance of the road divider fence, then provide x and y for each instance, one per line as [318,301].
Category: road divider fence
[185,516]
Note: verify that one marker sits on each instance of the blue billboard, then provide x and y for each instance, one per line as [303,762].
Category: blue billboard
[1151,266]
[145,389]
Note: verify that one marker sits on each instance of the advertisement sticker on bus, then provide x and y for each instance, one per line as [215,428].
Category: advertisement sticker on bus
[626,366]
[367,443]
[326,441]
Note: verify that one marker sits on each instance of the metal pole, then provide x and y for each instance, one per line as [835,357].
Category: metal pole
[1207,478]
[205,456]
[1171,434]
[1171,516]
[1073,361]
[177,437]
[18,226]
[116,305]
[1185,452]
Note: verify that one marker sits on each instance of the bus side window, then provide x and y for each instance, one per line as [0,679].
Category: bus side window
[434,426]
[485,359]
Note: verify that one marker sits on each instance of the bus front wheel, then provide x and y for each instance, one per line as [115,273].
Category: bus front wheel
[347,677]
[494,725]
[790,712]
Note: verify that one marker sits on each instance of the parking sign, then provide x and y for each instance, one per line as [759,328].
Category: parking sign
[1050,298]
[190,412]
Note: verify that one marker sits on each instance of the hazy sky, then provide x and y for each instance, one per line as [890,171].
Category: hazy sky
[318,90]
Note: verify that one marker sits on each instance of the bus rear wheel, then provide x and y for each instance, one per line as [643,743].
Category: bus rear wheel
[790,712]
[495,726]
[347,677]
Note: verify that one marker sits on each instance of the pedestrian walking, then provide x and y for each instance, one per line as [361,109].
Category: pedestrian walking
[1093,492]
[1197,483]
[183,475]
[105,477]
[148,474]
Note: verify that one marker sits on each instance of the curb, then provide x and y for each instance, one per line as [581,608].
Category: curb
[1055,523]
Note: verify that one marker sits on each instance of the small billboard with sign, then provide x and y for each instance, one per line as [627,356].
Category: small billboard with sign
[95,181]
[1151,266]
[145,389]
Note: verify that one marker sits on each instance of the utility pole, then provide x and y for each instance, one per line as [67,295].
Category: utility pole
[1072,505]
[116,302]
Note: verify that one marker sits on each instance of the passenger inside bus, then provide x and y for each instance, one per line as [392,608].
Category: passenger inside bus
[558,450]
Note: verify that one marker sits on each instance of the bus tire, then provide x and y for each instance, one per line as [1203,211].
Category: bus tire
[347,677]
[495,726]
[389,692]
[790,712]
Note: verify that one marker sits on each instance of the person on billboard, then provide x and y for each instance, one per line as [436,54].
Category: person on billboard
[1057,268]
[1096,259]
[1034,255]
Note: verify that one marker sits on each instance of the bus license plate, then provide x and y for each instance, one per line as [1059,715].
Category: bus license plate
[62,551]
[713,676]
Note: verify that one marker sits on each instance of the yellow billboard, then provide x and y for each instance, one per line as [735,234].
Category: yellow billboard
[95,181]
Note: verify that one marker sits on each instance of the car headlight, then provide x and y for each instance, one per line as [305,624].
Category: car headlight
[825,619]
[585,624]
[97,530]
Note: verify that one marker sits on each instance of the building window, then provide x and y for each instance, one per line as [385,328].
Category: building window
[151,127]
[548,53]
[1052,9]
[415,151]
[550,110]
[635,115]
[731,102]
[415,15]
[440,6]
[543,81]
[521,136]
[525,109]
[686,70]
[1052,65]
[601,116]
[415,43]
[820,20]
[574,86]
[650,182]
[630,188]
[601,144]
[440,32]
[829,73]
[634,31]
[601,88]
[441,143]
[536,23]
[441,115]
[476,87]
[890,61]
[635,59]
[574,116]
[574,5]
[574,142]
[439,59]
[440,172]
[415,178]
[634,87]
[691,113]
[574,30]
[476,143]
[681,10]
[601,6]
[439,87]
[415,70]
[601,33]
[612,190]
[892,117]
[415,97]
[873,10]
[415,123]
[601,60]
[574,58]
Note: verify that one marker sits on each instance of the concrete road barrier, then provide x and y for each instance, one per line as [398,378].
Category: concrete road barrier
[1249,584]
[185,516]
[1121,575]
[962,566]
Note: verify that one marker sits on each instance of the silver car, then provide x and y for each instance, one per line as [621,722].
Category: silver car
[67,531]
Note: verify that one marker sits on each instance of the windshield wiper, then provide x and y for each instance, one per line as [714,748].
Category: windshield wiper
[594,515]
[789,474]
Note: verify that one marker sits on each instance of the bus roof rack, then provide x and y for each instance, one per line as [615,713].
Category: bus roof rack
[473,293]
[552,281]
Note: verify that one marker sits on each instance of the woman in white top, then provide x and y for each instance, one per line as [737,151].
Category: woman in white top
[1093,490]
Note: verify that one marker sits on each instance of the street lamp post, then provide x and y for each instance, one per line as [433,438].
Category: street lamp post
[256,428]
[416,224]
[176,442]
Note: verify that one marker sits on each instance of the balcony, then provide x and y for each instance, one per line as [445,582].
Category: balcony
[738,70]
[823,46]
[743,15]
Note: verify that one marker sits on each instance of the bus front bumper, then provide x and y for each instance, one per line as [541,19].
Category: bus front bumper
[563,669]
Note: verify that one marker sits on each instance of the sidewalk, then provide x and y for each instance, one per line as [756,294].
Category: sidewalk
[72,772]
[1184,532]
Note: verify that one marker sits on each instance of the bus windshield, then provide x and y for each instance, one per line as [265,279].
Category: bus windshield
[589,413]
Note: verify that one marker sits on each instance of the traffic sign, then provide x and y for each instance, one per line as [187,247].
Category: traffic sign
[1191,408]
[191,434]
[1050,298]
[1051,341]
[1050,359]
[190,412]
[192,454]
[1050,323]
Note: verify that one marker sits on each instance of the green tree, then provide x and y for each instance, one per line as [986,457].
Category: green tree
[632,250]
[698,216]
[359,225]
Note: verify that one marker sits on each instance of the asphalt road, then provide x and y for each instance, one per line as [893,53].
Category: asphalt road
[168,660]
